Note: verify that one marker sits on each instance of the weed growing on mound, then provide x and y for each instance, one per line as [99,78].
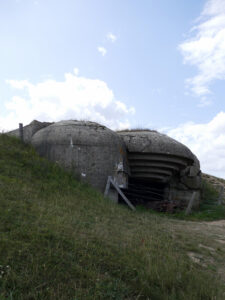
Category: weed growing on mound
[62,240]
[209,210]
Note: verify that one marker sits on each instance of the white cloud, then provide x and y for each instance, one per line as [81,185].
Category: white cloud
[76,71]
[204,101]
[207,141]
[73,98]
[111,37]
[18,84]
[102,50]
[206,48]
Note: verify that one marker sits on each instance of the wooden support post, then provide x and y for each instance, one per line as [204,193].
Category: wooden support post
[190,204]
[111,182]
[21,131]
[107,187]
[220,196]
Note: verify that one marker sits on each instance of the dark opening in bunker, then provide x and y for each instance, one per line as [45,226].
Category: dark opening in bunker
[149,193]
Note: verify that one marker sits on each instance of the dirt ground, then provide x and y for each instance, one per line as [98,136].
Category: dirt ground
[204,243]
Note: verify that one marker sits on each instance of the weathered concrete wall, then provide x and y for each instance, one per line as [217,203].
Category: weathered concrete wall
[92,151]
[29,130]
[181,198]
[151,141]
[159,158]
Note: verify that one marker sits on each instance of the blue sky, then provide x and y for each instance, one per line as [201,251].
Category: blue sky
[124,63]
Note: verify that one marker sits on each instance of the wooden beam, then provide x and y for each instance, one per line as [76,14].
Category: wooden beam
[190,204]
[21,131]
[220,196]
[107,187]
[111,182]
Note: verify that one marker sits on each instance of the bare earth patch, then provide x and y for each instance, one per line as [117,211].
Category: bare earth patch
[204,243]
[220,223]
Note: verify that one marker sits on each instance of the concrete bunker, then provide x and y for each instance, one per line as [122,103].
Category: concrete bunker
[29,130]
[163,172]
[150,168]
[92,151]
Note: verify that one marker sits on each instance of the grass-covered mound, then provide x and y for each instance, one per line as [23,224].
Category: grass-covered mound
[60,239]
[209,210]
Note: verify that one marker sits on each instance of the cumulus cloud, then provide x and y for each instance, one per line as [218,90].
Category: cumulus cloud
[205,49]
[207,141]
[73,98]
[102,50]
[111,37]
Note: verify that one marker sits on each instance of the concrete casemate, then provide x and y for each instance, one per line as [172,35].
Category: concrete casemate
[151,168]
[92,151]
[165,161]
[29,130]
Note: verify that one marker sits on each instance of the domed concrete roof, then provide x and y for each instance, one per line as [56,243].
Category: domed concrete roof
[78,132]
[89,149]
[150,141]
[155,155]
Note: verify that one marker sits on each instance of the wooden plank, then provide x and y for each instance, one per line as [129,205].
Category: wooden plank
[107,187]
[21,131]
[122,194]
[190,204]
[220,196]
[110,182]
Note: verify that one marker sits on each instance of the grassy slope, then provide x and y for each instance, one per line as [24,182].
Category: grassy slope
[60,239]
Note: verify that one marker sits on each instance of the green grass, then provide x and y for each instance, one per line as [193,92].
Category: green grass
[137,129]
[60,239]
[209,210]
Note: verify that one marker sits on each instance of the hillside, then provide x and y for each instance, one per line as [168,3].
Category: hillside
[61,239]
[217,183]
